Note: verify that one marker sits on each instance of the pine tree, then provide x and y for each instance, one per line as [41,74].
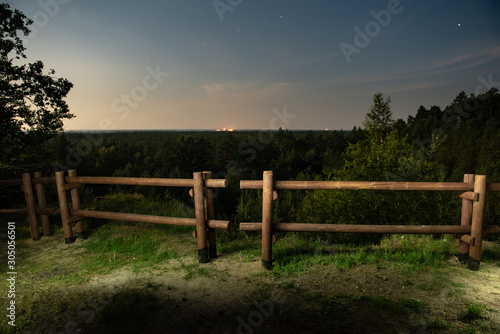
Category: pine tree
[379,120]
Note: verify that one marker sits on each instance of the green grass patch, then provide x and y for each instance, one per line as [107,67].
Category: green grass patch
[436,323]
[294,254]
[338,304]
[473,311]
[193,270]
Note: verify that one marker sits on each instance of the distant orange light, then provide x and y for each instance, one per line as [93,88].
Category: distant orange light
[230,130]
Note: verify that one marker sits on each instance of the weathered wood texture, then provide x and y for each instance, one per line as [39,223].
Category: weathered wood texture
[42,204]
[64,208]
[466,219]
[210,214]
[144,181]
[133,217]
[267,215]
[30,206]
[201,223]
[380,229]
[477,222]
[472,191]
[75,202]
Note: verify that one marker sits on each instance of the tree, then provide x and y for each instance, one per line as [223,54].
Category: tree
[379,120]
[32,104]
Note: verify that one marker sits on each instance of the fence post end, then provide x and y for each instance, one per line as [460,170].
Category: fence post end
[30,206]
[267,219]
[64,207]
[201,221]
[477,223]
[466,220]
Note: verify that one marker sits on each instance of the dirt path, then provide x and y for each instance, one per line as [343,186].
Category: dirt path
[234,295]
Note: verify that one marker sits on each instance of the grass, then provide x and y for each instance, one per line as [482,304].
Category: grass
[435,323]
[140,247]
[417,253]
[193,270]
[115,246]
[474,311]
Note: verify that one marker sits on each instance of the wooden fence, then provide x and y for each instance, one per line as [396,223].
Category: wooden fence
[472,191]
[27,183]
[201,185]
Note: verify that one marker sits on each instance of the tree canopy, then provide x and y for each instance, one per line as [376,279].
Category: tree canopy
[378,120]
[32,104]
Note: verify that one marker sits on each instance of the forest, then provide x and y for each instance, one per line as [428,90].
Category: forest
[435,145]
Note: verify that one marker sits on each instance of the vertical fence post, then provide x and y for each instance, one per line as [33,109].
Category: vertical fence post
[30,206]
[201,222]
[477,222]
[267,217]
[63,205]
[75,202]
[42,204]
[463,251]
[210,214]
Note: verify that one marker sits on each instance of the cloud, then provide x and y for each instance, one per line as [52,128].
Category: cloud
[460,62]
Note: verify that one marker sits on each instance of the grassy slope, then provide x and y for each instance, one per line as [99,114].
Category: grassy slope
[126,277]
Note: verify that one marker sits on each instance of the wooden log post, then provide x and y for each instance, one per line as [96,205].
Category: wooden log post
[30,206]
[42,204]
[63,206]
[477,223]
[201,222]
[209,215]
[75,201]
[463,251]
[267,219]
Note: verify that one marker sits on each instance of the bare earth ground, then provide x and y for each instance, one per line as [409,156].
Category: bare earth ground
[234,295]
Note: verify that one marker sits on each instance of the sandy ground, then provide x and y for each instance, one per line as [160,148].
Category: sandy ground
[234,295]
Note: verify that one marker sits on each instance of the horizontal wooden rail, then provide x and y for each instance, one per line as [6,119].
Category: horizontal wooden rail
[493,187]
[39,211]
[43,180]
[368,185]
[34,180]
[144,181]
[381,229]
[146,218]
[13,211]
[12,182]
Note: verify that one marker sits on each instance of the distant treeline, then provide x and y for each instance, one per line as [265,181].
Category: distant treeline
[433,145]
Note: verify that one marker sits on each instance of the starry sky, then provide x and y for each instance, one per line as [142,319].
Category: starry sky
[254,64]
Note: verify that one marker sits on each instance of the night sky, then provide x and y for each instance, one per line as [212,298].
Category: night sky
[247,64]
